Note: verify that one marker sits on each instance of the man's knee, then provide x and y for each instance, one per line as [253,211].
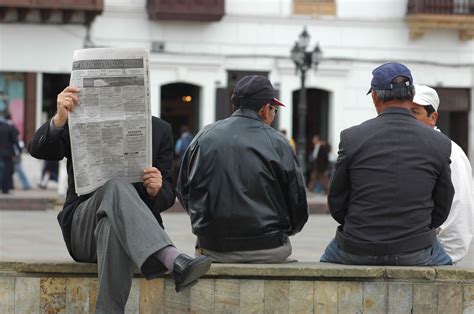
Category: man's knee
[115,195]
[116,184]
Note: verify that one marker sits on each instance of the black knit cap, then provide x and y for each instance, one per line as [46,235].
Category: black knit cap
[254,91]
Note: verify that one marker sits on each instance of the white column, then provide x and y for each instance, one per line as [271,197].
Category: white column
[155,98]
[286,114]
[207,104]
[288,84]
[470,144]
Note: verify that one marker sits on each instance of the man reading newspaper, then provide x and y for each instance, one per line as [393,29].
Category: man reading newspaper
[119,224]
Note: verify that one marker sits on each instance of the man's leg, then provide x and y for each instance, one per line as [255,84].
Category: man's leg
[115,270]
[325,181]
[133,223]
[434,255]
[131,234]
[439,255]
[333,254]
[25,183]
[312,179]
[2,172]
[7,176]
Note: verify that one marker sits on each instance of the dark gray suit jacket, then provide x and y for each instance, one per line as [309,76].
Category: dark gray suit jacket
[391,185]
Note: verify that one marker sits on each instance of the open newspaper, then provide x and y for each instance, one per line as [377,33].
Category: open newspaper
[110,129]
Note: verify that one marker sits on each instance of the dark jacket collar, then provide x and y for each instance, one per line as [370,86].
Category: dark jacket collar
[397,110]
[247,113]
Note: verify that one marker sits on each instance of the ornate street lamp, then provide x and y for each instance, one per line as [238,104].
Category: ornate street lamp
[303,60]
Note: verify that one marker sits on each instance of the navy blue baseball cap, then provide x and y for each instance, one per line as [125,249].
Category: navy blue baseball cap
[384,75]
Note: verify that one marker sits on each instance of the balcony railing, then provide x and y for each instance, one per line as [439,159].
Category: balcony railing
[186,10]
[428,15]
[440,7]
[50,11]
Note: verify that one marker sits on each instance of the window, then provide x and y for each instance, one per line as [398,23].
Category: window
[314,7]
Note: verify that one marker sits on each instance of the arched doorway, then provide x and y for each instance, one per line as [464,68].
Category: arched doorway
[180,108]
[317,116]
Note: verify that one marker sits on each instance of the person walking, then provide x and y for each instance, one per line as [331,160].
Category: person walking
[8,140]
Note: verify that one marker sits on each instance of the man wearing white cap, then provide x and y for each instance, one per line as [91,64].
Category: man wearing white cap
[456,232]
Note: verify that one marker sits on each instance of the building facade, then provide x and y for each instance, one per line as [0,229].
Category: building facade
[199,49]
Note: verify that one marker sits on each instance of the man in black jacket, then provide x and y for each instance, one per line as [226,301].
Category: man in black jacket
[118,225]
[8,140]
[391,185]
[241,184]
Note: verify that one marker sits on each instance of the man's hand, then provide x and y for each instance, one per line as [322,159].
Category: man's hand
[152,180]
[65,103]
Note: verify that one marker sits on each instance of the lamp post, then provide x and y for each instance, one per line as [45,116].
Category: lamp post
[303,60]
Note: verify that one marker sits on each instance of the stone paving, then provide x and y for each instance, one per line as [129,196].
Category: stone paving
[35,236]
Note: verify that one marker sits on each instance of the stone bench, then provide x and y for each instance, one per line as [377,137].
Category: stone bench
[233,288]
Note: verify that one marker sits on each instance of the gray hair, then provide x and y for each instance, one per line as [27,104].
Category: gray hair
[400,92]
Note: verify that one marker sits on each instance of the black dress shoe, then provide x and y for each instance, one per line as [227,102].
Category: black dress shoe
[188,270]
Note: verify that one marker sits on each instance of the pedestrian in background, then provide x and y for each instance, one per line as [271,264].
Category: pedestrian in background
[22,177]
[290,139]
[183,142]
[49,172]
[8,142]
[180,147]
[18,169]
[319,165]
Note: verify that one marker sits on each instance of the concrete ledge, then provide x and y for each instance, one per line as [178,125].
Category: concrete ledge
[28,287]
[300,270]
[11,203]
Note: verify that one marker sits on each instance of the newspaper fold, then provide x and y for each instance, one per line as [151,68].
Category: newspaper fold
[110,129]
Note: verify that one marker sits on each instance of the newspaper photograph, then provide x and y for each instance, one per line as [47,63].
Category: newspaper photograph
[110,128]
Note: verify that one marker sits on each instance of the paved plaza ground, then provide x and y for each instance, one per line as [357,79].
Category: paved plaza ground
[35,236]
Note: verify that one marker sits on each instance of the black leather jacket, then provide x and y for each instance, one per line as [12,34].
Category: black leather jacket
[241,184]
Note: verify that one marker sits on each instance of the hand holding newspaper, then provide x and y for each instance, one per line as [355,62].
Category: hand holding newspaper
[110,129]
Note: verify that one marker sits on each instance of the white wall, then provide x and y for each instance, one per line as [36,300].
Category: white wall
[258,35]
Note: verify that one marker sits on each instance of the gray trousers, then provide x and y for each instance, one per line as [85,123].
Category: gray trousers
[275,256]
[116,229]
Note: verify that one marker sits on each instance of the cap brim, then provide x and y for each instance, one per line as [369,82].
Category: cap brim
[370,91]
[276,102]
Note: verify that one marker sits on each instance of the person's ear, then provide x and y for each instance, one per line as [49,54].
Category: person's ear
[376,101]
[263,112]
[433,119]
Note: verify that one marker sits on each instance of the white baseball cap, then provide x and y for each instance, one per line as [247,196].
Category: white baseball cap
[426,96]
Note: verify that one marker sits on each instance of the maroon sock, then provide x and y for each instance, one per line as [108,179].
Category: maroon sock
[167,256]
